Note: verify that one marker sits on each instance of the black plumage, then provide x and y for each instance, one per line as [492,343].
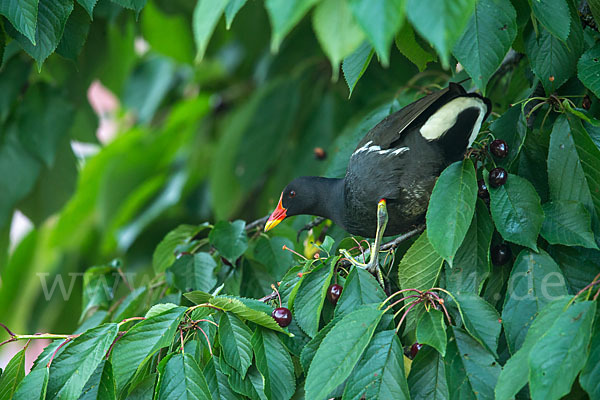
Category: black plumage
[398,160]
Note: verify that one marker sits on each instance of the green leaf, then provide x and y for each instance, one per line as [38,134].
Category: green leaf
[556,359]
[535,281]
[441,22]
[421,265]
[194,271]
[471,264]
[269,252]
[488,37]
[15,73]
[252,385]
[407,44]
[159,309]
[590,374]
[217,380]
[206,15]
[568,223]
[309,300]
[284,15]
[75,34]
[198,297]
[275,364]
[230,239]
[241,310]
[451,208]
[274,114]
[380,372]
[516,210]
[310,349]
[566,178]
[233,7]
[168,34]
[42,135]
[141,342]
[235,337]
[51,19]
[512,128]
[130,305]
[12,375]
[54,187]
[554,15]
[355,65]
[589,155]
[71,369]
[164,254]
[337,31]
[183,378]
[431,330]
[101,384]
[135,5]
[360,288]
[427,377]
[579,266]
[33,386]
[98,284]
[23,15]
[340,351]
[554,61]
[88,5]
[481,320]
[587,69]
[481,368]
[515,373]
[457,380]
[379,20]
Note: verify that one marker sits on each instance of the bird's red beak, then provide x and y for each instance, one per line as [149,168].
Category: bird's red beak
[278,215]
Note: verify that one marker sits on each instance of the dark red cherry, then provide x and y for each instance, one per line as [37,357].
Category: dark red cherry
[500,254]
[482,190]
[586,103]
[415,349]
[334,292]
[499,148]
[498,177]
[282,316]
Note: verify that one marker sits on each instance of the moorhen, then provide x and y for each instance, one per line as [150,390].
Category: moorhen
[391,174]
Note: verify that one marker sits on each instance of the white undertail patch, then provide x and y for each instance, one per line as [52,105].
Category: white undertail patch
[444,118]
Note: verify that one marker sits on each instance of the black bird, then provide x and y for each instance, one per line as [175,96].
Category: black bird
[391,174]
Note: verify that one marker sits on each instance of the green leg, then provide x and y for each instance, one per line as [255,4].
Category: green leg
[373,265]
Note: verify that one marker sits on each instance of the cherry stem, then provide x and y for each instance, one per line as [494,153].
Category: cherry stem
[588,286]
[411,304]
[126,320]
[181,339]
[204,305]
[397,293]
[596,296]
[295,252]
[58,348]
[276,291]
[208,320]
[405,314]
[207,340]
[402,299]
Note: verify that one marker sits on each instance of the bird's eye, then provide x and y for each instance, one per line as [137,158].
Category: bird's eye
[292,194]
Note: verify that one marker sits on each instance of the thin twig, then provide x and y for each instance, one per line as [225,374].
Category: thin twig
[268,297]
[7,330]
[314,223]
[402,238]
[258,223]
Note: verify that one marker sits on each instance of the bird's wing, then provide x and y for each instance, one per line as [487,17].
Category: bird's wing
[392,127]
